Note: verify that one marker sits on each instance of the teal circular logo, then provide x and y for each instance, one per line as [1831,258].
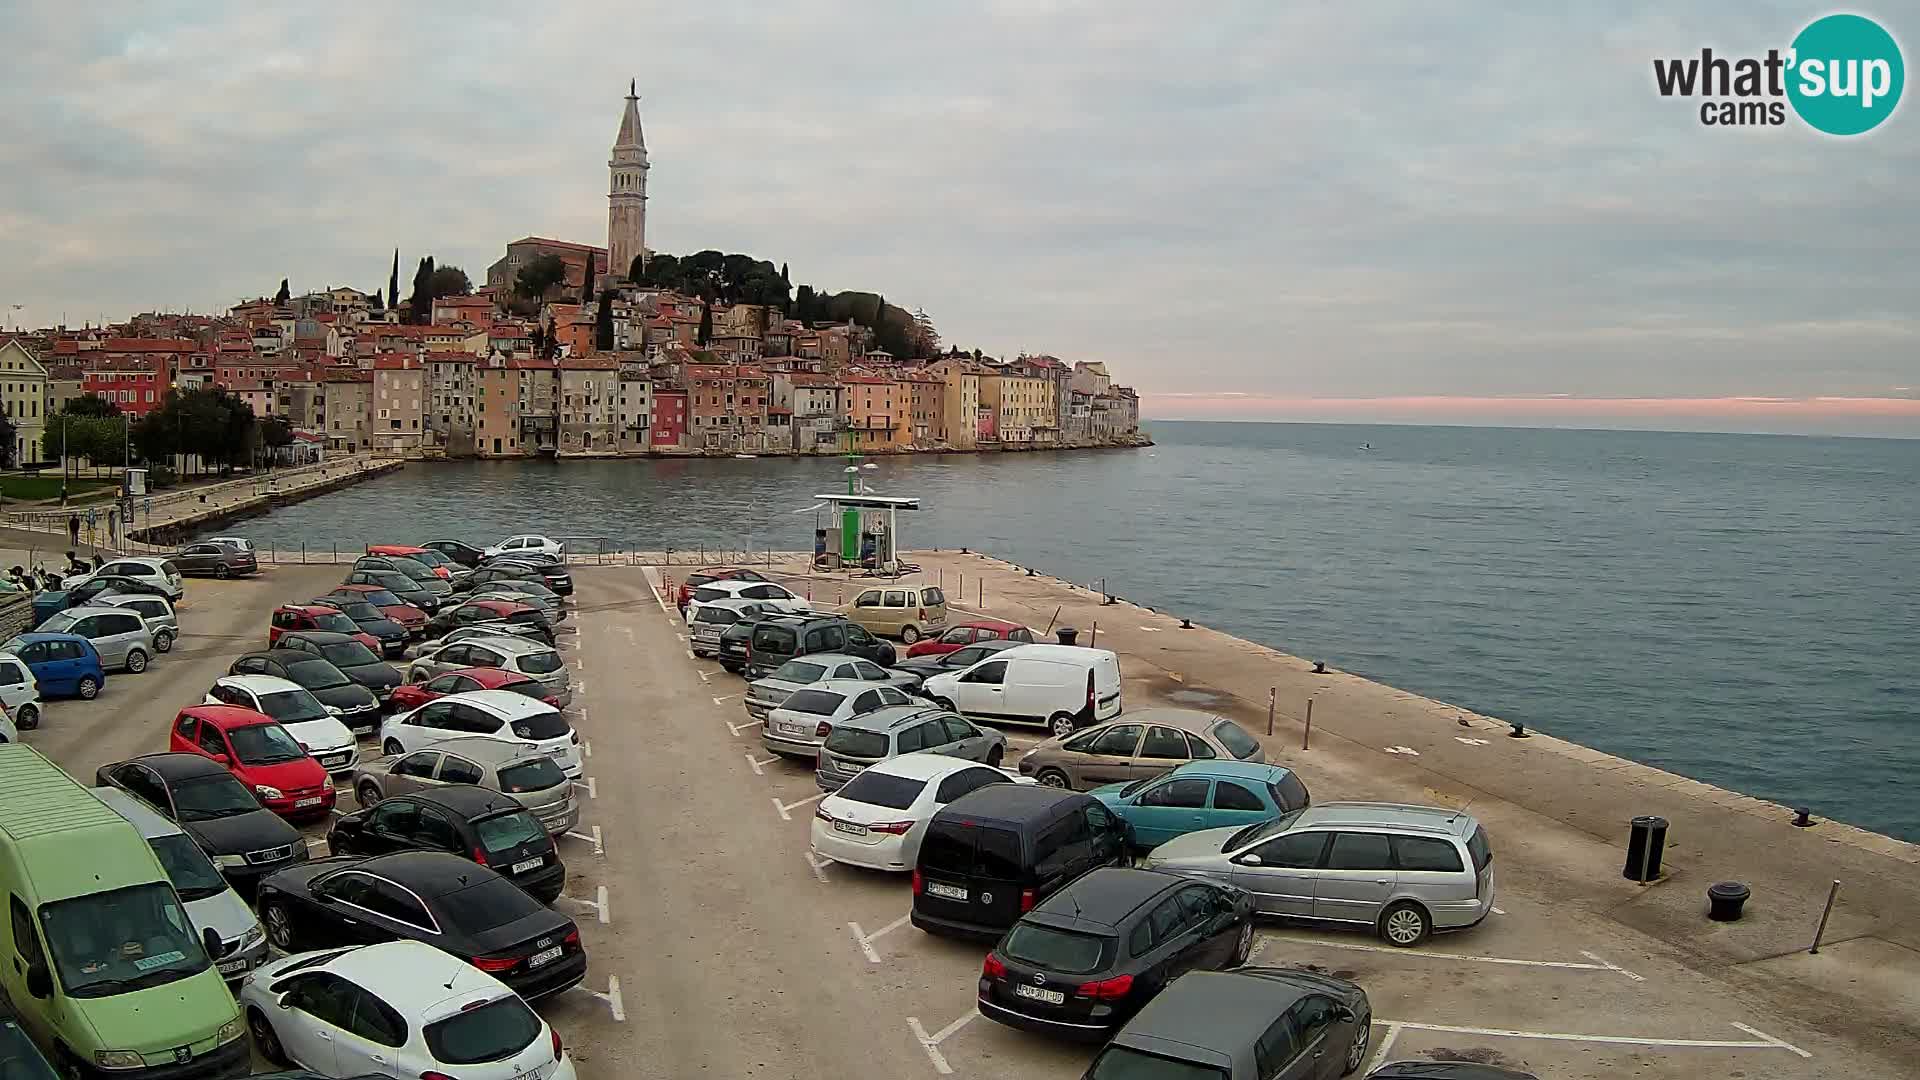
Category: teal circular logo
[1845,74]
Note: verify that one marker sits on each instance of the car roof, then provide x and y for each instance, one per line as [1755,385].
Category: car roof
[429,873]
[150,822]
[1235,770]
[484,750]
[920,765]
[319,637]
[410,971]
[228,717]
[1223,1008]
[1405,817]
[887,717]
[849,687]
[32,636]
[258,684]
[128,600]
[90,609]
[396,549]
[467,800]
[305,609]
[732,584]
[176,765]
[1068,654]
[142,560]
[987,624]
[504,703]
[1008,804]
[515,645]
[831,658]
[1184,719]
[731,603]
[491,678]
[1103,899]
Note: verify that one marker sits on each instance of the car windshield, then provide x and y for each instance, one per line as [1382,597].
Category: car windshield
[360,611]
[59,624]
[717,615]
[418,571]
[1236,740]
[774,639]
[428,556]
[264,744]
[853,742]
[1138,784]
[337,623]
[504,832]
[317,675]
[1057,950]
[292,706]
[816,702]
[540,663]
[491,901]
[122,940]
[536,774]
[209,797]
[875,788]
[348,654]
[1261,830]
[193,876]
[799,671]
[382,598]
[493,1032]
[1126,1063]
[543,725]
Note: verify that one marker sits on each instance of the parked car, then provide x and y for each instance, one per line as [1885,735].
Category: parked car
[735,647]
[490,611]
[765,593]
[1252,1023]
[293,617]
[991,855]
[161,576]
[400,585]
[9,732]
[530,776]
[63,665]
[357,707]
[19,694]
[409,1010]
[244,839]
[908,612]
[458,552]
[210,901]
[461,680]
[316,727]
[421,574]
[353,658]
[778,640]
[18,1051]
[119,636]
[1064,687]
[494,714]
[765,694]
[1087,958]
[553,568]
[260,754]
[969,633]
[531,593]
[877,820]
[215,560]
[442,567]
[156,611]
[1422,1069]
[710,620]
[483,631]
[238,543]
[413,618]
[435,897]
[51,602]
[798,725]
[959,659]
[712,573]
[490,828]
[494,571]
[522,543]
[529,658]
[1202,795]
[866,739]
[390,635]
[1136,746]
[1404,871]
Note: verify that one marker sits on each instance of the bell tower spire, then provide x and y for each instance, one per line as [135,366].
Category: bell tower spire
[627,190]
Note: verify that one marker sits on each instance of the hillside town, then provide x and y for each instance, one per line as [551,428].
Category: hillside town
[573,350]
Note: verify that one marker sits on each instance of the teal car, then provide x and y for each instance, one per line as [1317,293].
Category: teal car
[1202,795]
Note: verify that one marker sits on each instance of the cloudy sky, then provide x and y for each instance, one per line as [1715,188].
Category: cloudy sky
[1255,210]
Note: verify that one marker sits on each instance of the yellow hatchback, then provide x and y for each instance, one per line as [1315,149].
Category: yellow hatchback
[908,613]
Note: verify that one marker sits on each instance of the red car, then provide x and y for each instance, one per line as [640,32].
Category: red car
[260,754]
[712,573]
[434,560]
[303,617]
[414,695]
[963,634]
[390,605]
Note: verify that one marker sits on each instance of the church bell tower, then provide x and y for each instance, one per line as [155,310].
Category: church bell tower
[627,192]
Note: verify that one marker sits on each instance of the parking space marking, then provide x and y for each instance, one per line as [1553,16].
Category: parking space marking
[759,765]
[705,675]
[316,844]
[599,906]
[931,1043]
[1499,911]
[594,839]
[866,940]
[819,867]
[1385,1048]
[728,697]
[682,637]
[782,808]
[593,791]
[742,726]
[1762,1040]
[612,998]
[1569,965]
[689,654]
[586,745]
[1611,966]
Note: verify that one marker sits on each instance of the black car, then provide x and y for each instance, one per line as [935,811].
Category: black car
[1445,1070]
[448,902]
[416,571]
[353,658]
[1087,958]
[778,640]
[1247,1024]
[991,855]
[553,570]
[244,839]
[736,641]
[463,553]
[408,590]
[359,706]
[500,571]
[964,657]
[470,821]
[392,636]
[476,613]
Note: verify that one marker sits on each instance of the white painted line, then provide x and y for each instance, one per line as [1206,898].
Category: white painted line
[1611,966]
[612,998]
[742,726]
[782,808]
[1386,1047]
[1469,742]
[1570,965]
[819,867]
[593,792]
[758,764]
[586,747]
[594,839]
[866,944]
[1765,1042]
[315,845]
[722,700]
[682,637]
[1407,750]
[606,911]
[705,675]
[931,1043]
[1499,911]
[690,655]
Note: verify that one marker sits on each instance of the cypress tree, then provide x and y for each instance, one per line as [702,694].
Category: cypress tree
[393,283]
[586,287]
[282,296]
[706,323]
[603,323]
[784,279]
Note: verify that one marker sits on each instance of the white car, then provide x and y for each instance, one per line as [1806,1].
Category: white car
[764,593]
[876,820]
[399,1008]
[491,714]
[520,545]
[159,573]
[19,695]
[238,543]
[709,620]
[316,727]
[519,655]
[798,725]
[8,732]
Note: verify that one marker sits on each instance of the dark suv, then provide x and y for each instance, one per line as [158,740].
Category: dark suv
[778,640]
[989,856]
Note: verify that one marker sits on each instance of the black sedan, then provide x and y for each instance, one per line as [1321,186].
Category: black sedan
[1089,956]
[393,636]
[463,553]
[355,660]
[435,897]
[500,571]
[553,571]
[408,590]
[359,706]
[470,821]
[964,657]
[244,839]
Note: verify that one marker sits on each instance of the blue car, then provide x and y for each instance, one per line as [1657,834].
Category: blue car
[63,665]
[1202,795]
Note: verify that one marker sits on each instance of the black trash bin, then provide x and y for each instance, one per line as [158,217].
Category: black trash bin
[1646,839]
[1067,634]
[1725,899]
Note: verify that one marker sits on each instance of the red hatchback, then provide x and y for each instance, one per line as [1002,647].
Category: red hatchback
[260,754]
[390,605]
[414,695]
[712,573]
[290,617]
[412,552]
[963,634]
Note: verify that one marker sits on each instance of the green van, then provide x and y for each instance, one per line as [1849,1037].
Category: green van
[97,955]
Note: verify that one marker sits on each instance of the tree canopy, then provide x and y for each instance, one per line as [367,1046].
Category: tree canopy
[91,405]
[712,276]
[205,421]
[543,273]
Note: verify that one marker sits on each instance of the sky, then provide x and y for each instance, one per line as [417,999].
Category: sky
[1375,212]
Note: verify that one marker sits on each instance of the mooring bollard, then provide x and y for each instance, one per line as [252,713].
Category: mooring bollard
[1803,817]
[1519,731]
[1646,839]
[1270,692]
[1821,930]
[1306,733]
[1726,898]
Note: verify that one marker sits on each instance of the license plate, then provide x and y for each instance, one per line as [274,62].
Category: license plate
[850,828]
[544,956]
[1051,997]
[298,803]
[232,966]
[951,892]
[529,864]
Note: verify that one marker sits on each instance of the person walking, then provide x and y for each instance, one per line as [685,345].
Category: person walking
[73,529]
[113,526]
[93,521]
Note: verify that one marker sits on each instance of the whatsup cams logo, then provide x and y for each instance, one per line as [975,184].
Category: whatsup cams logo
[1842,75]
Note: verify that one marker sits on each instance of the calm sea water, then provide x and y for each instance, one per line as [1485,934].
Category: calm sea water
[1741,609]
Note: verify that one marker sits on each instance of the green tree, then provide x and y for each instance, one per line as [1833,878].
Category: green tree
[706,324]
[91,405]
[586,283]
[275,433]
[603,323]
[393,283]
[448,280]
[803,303]
[535,278]
[422,274]
[784,279]
[281,296]
[8,450]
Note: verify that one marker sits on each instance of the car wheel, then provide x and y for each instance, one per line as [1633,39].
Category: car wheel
[279,924]
[88,688]
[163,642]
[368,795]
[28,718]
[909,634]
[1061,725]
[1357,1050]
[416,676]
[392,748]
[945,704]
[1054,778]
[339,845]
[996,755]
[265,1040]
[1244,947]
[1405,924]
[137,661]
[221,571]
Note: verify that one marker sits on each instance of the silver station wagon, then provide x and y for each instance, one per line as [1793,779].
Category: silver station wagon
[530,776]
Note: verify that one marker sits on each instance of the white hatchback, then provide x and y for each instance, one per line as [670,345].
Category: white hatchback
[764,593]
[876,820]
[156,572]
[490,714]
[316,727]
[19,694]
[399,1008]
[530,543]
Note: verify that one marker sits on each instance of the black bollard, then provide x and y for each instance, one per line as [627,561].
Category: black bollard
[1186,624]
[1803,817]
[1067,635]
[1725,899]
[1519,730]
[1646,839]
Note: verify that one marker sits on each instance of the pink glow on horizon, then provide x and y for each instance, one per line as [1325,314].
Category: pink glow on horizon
[1234,406]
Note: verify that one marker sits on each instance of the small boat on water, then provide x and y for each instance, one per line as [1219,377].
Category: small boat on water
[746,456]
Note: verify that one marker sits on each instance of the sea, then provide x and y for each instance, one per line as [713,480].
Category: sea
[1742,609]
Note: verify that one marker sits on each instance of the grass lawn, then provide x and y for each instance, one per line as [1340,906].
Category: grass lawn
[47,485]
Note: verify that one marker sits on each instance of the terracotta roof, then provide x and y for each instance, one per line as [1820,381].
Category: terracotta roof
[154,345]
[345,375]
[589,363]
[395,363]
[558,244]
[723,371]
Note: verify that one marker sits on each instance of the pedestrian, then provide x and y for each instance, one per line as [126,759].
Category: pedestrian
[113,527]
[73,529]
[93,521]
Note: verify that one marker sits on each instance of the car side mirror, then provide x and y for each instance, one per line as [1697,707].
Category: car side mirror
[211,939]
[39,981]
[1248,860]
[1344,1014]
[222,759]
[333,710]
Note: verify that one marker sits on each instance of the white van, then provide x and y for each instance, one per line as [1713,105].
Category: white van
[1062,686]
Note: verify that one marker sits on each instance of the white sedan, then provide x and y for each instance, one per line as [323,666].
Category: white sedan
[488,714]
[399,1008]
[876,820]
[530,543]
